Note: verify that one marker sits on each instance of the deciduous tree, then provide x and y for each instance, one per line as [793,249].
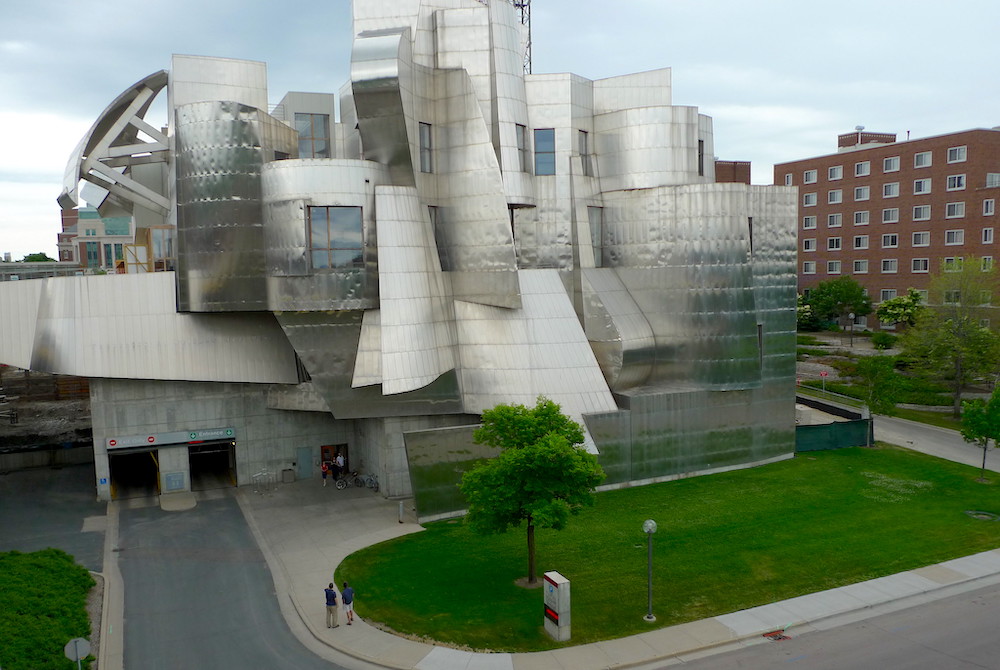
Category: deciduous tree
[981,423]
[541,477]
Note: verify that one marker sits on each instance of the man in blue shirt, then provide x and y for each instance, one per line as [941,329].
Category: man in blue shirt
[331,607]
[347,593]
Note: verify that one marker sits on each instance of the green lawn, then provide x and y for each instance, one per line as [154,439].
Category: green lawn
[43,606]
[725,542]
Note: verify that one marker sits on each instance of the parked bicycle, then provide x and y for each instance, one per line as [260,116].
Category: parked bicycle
[371,481]
[350,479]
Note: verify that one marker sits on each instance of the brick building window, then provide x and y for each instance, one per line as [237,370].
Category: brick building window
[956,154]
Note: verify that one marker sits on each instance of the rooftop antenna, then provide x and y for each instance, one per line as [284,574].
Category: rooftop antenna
[524,7]
[859,129]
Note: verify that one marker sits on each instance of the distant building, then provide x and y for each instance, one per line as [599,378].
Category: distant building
[465,235]
[892,213]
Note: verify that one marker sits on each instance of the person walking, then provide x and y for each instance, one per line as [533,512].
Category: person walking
[331,607]
[347,595]
[325,468]
[339,464]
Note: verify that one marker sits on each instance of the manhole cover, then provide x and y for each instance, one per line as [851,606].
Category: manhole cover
[776,635]
[983,516]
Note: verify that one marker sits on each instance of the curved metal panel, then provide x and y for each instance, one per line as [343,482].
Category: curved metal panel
[221,148]
[289,187]
[127,326]
[416,315]
[618,331]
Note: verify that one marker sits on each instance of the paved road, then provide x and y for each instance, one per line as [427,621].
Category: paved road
[933,440]
[951,634]
[199,593]
[53,507]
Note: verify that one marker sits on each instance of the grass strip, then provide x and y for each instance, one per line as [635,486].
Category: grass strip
[725,542]
[43,606]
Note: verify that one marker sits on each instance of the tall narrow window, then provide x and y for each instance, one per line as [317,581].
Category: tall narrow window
[545,151]
[335,237]
[426,148]
[314,135]
[521,134]
[701,158]
[583,140]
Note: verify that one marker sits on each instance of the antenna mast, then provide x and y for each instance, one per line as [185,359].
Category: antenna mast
[524,6]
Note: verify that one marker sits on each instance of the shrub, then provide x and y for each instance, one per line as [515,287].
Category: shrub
[883,341]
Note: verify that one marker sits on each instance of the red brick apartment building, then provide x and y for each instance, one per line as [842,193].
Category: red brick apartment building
[891,213]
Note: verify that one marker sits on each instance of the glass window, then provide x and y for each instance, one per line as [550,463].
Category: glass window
[890,215]
[862,193]
[956,154]
[954,210]
[521,134]
[922,159]
[992,179]
[788,179]
[890,190]
[890,266]
[890,164]
[986,264]
[426,148]
[921,239]
[834,220]
[545,151]
[920,265]
[808,199]
[956,182]
[989,207]
[335,237]
[953,237]
[93,254]
[921,212]
[861,218]
[887,294]
[890,241]
[808,222]
[921,186]
[808,267]
[809,244]
[953,264]
[987,236]
[862,169]
[583,142]
[835,197]
[861,266]
[952,297]
[314,135]
[833,267]
[833,244]
[834,173]
[860,241]
[809,177]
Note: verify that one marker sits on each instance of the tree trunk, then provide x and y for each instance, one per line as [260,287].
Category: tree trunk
[531,552]
[957,408]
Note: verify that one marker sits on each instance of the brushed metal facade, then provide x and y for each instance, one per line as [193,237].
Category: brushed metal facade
[607,271]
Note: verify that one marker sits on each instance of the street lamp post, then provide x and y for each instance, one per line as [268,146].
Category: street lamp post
[649,527]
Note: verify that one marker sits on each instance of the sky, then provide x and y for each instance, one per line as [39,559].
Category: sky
[780,78]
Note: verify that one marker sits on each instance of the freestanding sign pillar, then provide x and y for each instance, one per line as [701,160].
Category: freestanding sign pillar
[556,588]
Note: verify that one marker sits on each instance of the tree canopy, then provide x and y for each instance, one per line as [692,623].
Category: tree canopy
[881,383]
[39,257]
[949,340]
[981,423]
[901,309]
[541,477]
[836,298]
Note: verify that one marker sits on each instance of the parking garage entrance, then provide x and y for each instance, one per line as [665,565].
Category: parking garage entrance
[135,473]
[213,465]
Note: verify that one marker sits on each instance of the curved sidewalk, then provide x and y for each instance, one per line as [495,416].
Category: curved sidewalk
[306,530]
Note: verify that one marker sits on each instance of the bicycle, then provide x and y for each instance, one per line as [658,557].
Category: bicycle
[371,481]
[350,479]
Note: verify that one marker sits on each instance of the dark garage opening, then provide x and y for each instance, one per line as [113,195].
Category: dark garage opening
[134,474]
[213,465]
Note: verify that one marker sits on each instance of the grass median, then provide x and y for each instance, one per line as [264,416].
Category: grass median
[725,542]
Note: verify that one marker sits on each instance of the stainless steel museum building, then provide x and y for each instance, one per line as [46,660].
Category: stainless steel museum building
[465,235]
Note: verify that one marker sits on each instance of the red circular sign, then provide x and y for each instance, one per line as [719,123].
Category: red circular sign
[822,374]
[112,443]
[152,439]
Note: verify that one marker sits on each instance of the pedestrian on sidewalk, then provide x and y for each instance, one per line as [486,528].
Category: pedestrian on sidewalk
[347,595]
[331,607]
[325,468]
[339,465]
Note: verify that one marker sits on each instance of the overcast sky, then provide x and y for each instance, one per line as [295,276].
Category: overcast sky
[781,78]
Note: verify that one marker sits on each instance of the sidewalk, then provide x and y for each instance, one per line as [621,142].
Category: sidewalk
[306,530]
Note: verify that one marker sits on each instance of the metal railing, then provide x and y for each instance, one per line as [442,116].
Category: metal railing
[264,482]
